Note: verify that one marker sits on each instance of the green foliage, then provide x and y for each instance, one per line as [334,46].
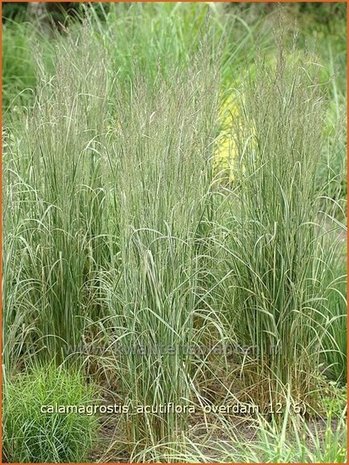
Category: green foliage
[334,400]
[14,10]
[29,435]
[52,207]
[26,52]
[335,317]
[118,233]
[275,250]
[19,71]
[295,440]
[162,181]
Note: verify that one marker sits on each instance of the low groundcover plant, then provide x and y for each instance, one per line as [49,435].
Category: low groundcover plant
[33,429]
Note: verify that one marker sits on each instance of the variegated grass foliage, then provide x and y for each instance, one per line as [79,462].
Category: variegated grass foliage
[145,212]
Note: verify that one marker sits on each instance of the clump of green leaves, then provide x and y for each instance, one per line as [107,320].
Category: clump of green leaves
[29,435]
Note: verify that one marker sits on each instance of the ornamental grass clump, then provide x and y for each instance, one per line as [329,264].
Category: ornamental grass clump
[163,169]
[53,206]
[31,434]
[274,250]
[168,234]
